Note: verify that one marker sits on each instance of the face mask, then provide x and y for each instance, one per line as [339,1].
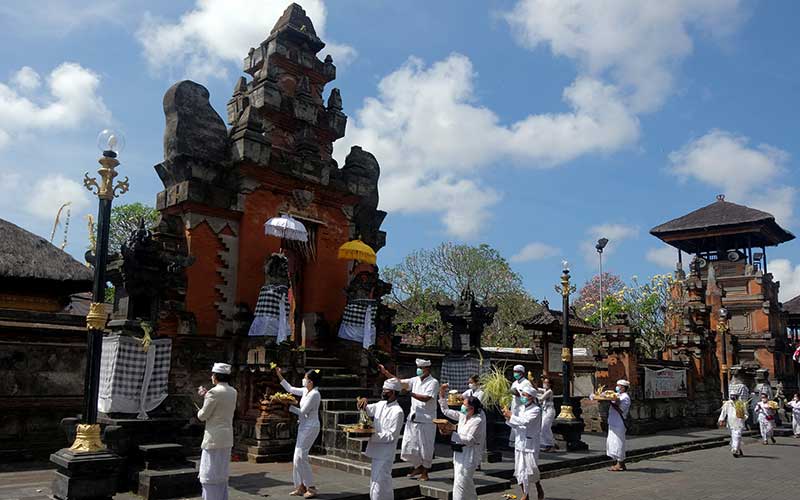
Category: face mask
[616,389]
[305,382]
[419,372]
[463,409]
[517,376]
[546,386]
[386,395]
[523,400]
[473,386]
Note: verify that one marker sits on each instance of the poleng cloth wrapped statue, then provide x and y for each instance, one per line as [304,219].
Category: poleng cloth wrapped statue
[272,313]
[358,321]
[133,380]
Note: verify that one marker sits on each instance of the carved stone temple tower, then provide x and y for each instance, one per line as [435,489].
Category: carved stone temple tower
[732,298]
[221,185]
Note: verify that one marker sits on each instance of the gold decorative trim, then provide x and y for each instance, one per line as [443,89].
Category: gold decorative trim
[566,354]
[87,439]
[97,316]
[105,189]
[566,413]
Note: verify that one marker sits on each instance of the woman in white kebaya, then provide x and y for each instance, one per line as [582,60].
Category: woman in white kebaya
[307,430]
[736,423]
[467,441]
[475,389]
[794,404]
[548,416]
[766,419]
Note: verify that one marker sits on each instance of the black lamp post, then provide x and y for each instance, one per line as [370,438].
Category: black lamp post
[601,244]
[111,144]
[567,424]
[723,328]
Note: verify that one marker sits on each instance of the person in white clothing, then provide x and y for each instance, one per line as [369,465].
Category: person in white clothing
[388,423]
[468,442]
[528,426]
[475,389]
[519,377]
[734,422]
[548,415]
[617,413]
[219,404]
[307,430]
[766,419]
[420,433]
[794,405]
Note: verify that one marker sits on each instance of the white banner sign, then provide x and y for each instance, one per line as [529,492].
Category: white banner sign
[664,383]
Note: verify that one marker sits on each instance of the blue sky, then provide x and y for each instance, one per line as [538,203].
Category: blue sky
[532,125]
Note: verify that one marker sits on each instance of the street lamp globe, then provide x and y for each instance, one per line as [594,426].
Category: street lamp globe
[111,142]
[565,265]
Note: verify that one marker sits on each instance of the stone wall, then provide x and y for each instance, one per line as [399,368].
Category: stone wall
[42,365]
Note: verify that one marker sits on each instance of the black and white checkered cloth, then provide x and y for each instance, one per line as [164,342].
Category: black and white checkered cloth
[456,371]
[132,380]
[269,300]
[354,321]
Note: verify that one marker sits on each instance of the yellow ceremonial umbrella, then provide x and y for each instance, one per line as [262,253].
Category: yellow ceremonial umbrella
[357,250]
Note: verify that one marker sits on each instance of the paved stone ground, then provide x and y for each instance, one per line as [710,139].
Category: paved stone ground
[273,481]
[712,474]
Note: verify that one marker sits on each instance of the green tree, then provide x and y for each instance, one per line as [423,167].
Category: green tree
[426,277]
[125,219]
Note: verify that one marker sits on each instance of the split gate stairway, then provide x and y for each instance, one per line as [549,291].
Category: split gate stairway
[335,449]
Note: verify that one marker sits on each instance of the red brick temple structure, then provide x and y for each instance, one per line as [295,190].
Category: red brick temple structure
[732,299]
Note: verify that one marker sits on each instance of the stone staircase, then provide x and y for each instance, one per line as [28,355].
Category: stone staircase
[335,449]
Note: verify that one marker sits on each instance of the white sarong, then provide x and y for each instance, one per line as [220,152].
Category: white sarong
[418,444]
[214,473]
[525,468]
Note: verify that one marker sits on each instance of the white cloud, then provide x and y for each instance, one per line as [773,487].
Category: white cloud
[535,251]
[215,33]
[49,193]
[746,174]
[71,100]
[431,137]
[638,44]
[60,17]
[789,275]
[615,233]
[26,79]
[665,256]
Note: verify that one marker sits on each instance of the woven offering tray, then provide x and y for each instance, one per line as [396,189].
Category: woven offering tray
[445,426]
[454,398]
[357,430]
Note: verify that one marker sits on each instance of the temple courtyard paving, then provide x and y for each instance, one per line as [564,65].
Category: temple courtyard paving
[709,473]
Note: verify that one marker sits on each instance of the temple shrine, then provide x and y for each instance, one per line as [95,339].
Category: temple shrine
[729,291]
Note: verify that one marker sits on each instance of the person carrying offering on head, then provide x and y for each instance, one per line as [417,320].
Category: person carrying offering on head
[765,414]
[527,424]
[219,404]
[388,423]
[420,433]
[617,413]
[467,441]
[734,416]
[307,430]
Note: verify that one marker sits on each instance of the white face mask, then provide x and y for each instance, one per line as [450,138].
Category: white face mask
[305,382]
[473,386]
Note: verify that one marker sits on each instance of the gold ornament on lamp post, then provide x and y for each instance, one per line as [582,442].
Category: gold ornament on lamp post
[565,289]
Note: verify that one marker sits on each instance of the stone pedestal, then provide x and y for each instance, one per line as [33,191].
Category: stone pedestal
[273,440]
[570,432]
[87,475]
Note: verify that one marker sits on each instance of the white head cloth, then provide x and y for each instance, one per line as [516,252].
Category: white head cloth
[526,388]
[422,363]
[519,368]
[623,382]
[221,368]
[392,384]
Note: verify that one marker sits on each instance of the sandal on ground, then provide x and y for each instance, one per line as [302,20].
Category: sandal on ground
[298,492]
[310,493]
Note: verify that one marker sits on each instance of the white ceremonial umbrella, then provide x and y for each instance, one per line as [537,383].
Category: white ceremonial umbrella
[286,227]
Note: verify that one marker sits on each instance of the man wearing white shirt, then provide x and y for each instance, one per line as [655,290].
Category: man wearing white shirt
[388,422]
[420,433]
[219,404]
[519,379]
[617,413]
[527,424]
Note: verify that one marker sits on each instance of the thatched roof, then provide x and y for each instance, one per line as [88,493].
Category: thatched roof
[549,320]
[23,255]
[792,306]
[723,219]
